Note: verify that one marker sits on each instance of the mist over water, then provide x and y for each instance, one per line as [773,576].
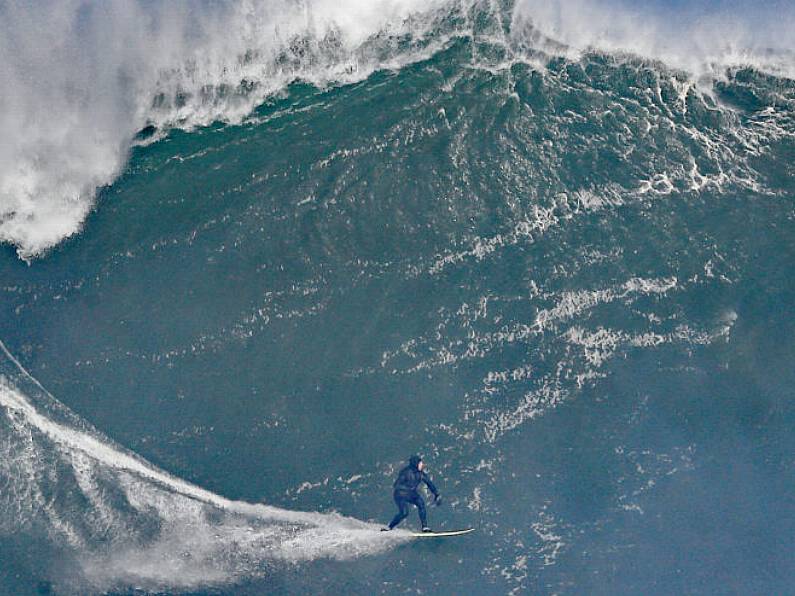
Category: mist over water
[274,248]
[701,38]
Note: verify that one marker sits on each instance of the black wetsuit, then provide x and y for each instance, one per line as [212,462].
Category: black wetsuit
[406,485]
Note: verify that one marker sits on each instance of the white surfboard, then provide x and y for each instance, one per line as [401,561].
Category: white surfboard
[442,534]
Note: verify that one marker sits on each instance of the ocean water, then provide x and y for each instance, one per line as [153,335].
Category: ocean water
[257,254]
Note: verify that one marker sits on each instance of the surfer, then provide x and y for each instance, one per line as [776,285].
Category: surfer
[406,485]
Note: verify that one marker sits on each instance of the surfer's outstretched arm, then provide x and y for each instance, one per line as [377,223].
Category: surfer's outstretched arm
[431,486]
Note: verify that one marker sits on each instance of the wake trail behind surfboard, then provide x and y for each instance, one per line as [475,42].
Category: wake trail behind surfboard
[130,523]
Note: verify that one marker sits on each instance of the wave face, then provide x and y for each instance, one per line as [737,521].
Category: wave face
[553,256]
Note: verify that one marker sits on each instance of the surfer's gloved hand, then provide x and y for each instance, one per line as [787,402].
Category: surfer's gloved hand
[437,499]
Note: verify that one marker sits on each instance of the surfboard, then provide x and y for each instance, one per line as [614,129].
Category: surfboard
[442,534]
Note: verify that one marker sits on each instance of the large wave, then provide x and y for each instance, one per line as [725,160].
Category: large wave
[127,522]
[81,79]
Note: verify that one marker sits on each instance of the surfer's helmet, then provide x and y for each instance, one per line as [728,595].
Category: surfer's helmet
[414,461]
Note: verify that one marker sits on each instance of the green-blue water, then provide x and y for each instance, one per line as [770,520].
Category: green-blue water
[569,286]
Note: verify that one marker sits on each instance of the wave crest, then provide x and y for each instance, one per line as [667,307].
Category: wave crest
[73,103]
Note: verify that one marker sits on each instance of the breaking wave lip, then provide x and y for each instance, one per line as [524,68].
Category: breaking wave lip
[129,523]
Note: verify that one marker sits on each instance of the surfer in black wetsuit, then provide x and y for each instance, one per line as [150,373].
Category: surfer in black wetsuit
[406,485]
